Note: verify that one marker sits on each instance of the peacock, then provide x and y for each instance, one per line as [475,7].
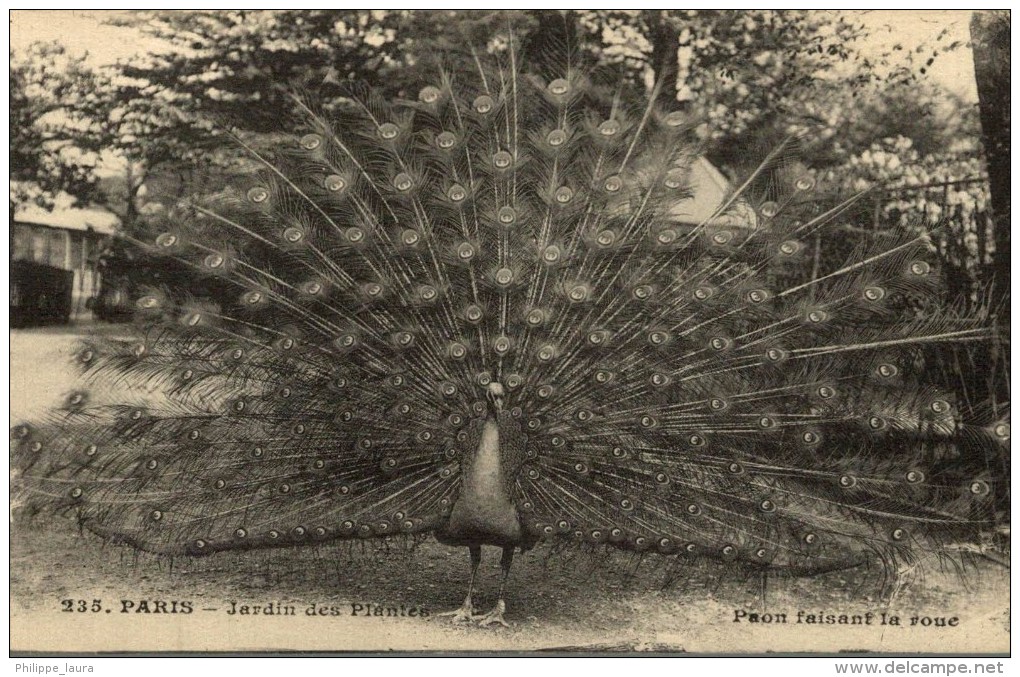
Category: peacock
[480,315]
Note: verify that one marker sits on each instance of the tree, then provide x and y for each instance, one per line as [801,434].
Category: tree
[990,37]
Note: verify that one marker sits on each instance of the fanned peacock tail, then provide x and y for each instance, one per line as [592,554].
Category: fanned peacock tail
[669,387]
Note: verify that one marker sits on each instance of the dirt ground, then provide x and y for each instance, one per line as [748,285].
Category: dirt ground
[557,601]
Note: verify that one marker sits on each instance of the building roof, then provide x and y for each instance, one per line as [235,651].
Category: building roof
[99,220]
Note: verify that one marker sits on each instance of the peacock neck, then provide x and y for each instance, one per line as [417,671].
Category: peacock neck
[484,512]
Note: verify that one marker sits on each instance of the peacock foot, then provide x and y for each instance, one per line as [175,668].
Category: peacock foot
[494,617]
[465,614]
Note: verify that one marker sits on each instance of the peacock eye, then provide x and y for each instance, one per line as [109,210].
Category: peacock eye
[887,370]
[675,119]
[847,481]
[457,193]
[403,182]
[674,179]
[293,235]
[563,195]
[914,476]
[769,209]
[388,131]
[817,316]
[940,406]
[166,240]
[504,276]
[920,268]
[874,293]
[311,141]
[559,87]
[613,184]
[556,137]
[334,183]
[551,254]
[258,194]
[506,215]
[804,183]
[606,238]
[355,235]
[757,296]
[789,248]
[446,140]
[429,94]
[722,237]
[502,159]
[483,104]
[609,128]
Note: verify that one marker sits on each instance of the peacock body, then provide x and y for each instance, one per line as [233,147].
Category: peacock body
[477,315]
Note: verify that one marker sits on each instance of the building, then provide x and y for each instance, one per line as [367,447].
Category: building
[54,256]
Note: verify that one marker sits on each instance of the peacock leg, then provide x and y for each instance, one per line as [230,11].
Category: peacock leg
[496,615]
[466,611]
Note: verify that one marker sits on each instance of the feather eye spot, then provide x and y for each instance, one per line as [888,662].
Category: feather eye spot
[790,247]
[483,104]
[874,293]
[920,268]
[319,464]
[504,277]
[619,453]
[769,209]
[273,534]
[1002,430]
[559,87]
[284,489]
[581,468]
[311,141]
[388,131]
[578,293]
[335,183]
[704,293]
[293,235]
[551,254]
[648,422]
[675,119]
[886,370]
[457,193]
[877,423]
[533,474]
[403,182]
[556,138]
[847,481]
[506,215]
[606,238]
[666,236]
[355,235]
[148,303]
[722,237]
[804,183]
[810,437]
[167,240]
[736,468]
[826,392]
[502,159]
[696,440]
[661,478]
[626,504]
[817,316]
[410,237]
[609,128]
[767,422]
[810,538]
[940,407]
[152,464]
[642,292]
[546,353]
[514,381]
[36,446]
[693,509]
[76,492]
[899,534]
[534,424]
[446,140]
[776,354]
[156,515]
[258,195]
[767,505]
[457,350]
[257,452]
[758,296]
[429,94]
[603,376]
[979,488]
[91,450]
[535,317]
[674,179]
[219,484]
[720,343]
[199,544]
[660,380]
[658,338]
[613,184]
[914,477]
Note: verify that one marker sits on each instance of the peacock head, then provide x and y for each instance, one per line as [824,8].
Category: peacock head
[494,394]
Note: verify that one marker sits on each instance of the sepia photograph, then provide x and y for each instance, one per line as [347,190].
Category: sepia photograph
[520,332]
